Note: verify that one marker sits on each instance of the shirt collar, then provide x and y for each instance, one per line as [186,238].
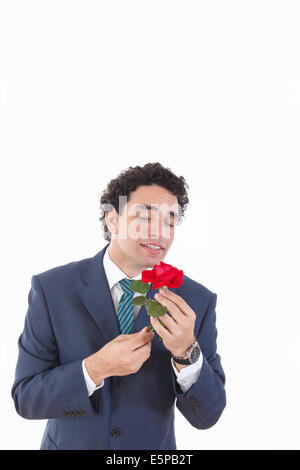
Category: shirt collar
[113,273]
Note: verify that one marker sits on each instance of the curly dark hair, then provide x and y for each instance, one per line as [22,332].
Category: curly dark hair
[133,177]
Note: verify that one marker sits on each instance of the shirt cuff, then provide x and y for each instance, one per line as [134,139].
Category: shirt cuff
[90,385]
[188,375]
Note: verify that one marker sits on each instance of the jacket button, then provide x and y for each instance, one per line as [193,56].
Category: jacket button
[121,383]
[115,432]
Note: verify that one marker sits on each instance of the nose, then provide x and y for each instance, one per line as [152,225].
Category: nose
[155,229]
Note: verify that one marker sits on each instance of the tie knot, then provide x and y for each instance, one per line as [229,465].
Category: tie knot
[125,284]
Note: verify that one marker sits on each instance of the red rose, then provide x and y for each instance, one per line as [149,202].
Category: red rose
[163,275]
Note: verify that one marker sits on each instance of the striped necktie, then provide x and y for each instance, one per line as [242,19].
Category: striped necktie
[125,309]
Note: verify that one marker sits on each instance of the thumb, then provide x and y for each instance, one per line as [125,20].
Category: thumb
[144,329]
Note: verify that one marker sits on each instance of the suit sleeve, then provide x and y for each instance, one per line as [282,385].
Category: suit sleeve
[189,374]
[90,385]
[42,388]
[203,403]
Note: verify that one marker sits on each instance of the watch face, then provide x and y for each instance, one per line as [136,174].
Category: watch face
[195,354]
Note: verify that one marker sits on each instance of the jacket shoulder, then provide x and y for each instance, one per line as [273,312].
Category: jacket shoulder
[191,287]
[62,274]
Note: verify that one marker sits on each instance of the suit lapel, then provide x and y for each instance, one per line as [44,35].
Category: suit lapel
[97,299]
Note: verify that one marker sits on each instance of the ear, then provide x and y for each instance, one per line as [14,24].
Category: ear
[111,219]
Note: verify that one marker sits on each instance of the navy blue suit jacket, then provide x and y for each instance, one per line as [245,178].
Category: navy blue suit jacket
[70,316]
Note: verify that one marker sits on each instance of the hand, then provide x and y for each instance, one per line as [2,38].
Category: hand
[124,355]
[177,329]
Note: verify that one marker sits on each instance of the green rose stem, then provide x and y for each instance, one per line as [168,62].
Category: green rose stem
[150,327]
[154,308]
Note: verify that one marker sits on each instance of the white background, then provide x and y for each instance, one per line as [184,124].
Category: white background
[209,89]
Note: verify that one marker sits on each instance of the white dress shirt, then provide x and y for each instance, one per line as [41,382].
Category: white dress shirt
[186,377]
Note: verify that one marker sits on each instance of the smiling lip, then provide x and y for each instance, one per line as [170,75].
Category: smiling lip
[153,243]
[152,250]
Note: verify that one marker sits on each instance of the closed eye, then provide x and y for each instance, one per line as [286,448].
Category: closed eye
[147,218]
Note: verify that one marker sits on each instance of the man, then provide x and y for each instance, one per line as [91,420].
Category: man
[87,361]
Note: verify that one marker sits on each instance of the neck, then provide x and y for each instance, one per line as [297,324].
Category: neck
[121,260]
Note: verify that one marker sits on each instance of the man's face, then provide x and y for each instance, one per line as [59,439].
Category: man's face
[149,217]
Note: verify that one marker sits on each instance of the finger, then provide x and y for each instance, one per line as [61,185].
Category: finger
[178,301]
[172,308]
[169,323]
[141,337]
[138,346]
[160,329]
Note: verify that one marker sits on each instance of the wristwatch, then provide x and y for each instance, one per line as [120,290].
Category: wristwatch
[192,355]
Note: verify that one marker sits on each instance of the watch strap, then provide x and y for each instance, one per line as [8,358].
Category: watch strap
[181,361]
[185,359]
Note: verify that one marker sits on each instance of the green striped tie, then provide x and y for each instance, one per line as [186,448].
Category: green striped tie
[125,309]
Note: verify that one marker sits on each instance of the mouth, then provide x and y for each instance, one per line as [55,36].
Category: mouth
[153,251]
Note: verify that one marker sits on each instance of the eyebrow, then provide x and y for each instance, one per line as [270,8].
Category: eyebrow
[142,206]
